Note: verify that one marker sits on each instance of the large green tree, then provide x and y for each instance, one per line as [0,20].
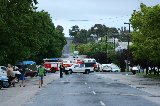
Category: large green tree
[26,33]
[146,35]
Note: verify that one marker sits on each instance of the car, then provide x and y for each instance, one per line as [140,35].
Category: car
[114,67]
[3,71]
[134,69]
[29,67]
[16,73]
[105,67]
[79,68]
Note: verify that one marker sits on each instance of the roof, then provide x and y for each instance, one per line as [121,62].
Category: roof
[26,62]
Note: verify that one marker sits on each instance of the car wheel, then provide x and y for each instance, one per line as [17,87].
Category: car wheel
[88,71]
[70,71]
[53,70]
[5,84]
[35,74]
[0,85]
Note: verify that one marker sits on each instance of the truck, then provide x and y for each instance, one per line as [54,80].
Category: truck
[90,63]
[52,64]
[79,68]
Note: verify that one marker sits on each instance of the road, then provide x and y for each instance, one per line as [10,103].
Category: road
[89,90]
[66,49]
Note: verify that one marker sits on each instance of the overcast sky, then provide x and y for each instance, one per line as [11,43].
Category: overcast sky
[86,13]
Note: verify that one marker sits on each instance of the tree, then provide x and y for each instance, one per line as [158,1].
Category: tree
[146,34]
[26,34]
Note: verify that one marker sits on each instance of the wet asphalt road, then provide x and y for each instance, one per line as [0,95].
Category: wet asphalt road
[89,90]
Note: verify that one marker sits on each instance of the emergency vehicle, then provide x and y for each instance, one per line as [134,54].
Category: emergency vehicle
[67,63]
[90,62]
[52,64]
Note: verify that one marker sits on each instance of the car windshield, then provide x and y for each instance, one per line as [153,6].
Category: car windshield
[114,66]
[81,65]
[76,65]
[3,68]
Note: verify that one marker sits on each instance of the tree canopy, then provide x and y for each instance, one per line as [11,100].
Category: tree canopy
[26,33]
[146,35]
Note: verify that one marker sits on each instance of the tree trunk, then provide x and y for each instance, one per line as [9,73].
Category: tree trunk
[154,71]
[147,71]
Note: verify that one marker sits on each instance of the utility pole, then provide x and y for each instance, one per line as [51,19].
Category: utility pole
[107,47]
[128,53]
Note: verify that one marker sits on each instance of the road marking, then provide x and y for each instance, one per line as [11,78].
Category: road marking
[93,92]
[85,83]
[101,102]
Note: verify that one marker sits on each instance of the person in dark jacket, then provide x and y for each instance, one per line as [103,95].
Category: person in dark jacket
[22,76]
[62,68]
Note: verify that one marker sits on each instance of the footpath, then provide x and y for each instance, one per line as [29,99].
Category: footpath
[18,96]
[148,85]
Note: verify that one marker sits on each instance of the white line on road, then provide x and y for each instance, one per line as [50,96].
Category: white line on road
[93,92]
[85,83]
[102,103]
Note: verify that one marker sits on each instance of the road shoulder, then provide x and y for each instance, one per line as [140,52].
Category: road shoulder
[144,84]
[18,96]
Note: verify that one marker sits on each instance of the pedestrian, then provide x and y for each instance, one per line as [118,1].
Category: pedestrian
[22,76]
[61,70]
[41,72]
[10,75]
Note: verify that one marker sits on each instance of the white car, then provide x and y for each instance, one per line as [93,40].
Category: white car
[135,68]
[3,71]
[105,67]
[16,72]
[114,67]
[79,68]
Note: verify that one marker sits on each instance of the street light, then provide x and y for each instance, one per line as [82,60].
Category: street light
[128,62]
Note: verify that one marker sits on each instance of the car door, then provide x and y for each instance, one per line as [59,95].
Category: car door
[75,68]
[82,68]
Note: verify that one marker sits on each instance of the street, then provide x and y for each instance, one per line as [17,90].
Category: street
[89,90]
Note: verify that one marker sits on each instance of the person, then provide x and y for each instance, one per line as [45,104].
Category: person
[41,72]
[61,70]
[10,75]
[22,76]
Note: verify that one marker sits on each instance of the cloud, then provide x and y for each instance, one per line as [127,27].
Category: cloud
[86,13]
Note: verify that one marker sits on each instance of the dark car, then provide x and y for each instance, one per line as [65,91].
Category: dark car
[29,67]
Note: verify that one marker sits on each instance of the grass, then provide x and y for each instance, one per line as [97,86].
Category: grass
[152,76]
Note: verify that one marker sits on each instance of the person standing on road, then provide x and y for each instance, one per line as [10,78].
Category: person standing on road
[10,75]
[61,70]
[22,76]
[41,72]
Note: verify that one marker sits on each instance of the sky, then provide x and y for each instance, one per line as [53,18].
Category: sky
[87,13]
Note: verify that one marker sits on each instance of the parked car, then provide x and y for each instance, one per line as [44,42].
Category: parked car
[3,71]
[105,67]
[4,83]
[16,73]
[114,67]
[29,67]
[134,69]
